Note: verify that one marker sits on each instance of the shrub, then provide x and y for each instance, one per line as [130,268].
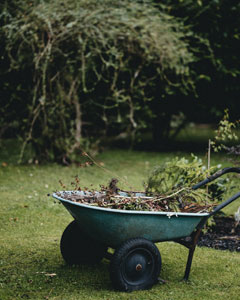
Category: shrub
[92,68]
[182,173]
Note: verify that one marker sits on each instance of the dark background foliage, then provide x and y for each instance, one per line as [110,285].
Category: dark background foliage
[217,82]
[77,74]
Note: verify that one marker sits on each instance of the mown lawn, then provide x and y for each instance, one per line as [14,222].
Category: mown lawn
[31,224]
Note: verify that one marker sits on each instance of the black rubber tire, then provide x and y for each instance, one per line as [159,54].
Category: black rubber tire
[135,265]
[77,248]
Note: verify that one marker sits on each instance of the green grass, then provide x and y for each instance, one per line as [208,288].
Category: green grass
[31,225]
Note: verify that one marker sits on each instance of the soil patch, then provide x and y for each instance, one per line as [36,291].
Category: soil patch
[224,235]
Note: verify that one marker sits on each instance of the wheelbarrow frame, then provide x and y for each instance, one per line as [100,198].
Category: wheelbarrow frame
[191,242]
[188,239]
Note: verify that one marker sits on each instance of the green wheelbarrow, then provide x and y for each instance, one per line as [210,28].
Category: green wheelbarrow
[136,261]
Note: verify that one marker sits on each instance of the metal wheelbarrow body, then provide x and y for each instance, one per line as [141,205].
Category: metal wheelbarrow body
[112,227]
[136,261]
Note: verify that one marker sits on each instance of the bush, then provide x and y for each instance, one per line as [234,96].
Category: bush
[182,173]
[92,68]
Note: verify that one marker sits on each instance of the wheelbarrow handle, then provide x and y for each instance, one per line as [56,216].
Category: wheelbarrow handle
[213,177]
[223,204]
[216,175]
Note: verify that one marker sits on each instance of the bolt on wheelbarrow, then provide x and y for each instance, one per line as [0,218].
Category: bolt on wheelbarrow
[136,261]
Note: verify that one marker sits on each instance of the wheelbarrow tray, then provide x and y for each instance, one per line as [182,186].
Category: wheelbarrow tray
[112,227]
[136,261]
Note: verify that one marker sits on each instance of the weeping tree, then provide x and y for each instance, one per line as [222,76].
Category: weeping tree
[91,69]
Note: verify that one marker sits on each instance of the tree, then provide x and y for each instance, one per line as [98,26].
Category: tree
[93,69]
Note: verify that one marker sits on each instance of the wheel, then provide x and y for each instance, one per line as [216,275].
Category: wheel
[77,248]
[135,265]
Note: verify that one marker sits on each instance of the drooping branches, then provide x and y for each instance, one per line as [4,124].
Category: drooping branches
[94,65]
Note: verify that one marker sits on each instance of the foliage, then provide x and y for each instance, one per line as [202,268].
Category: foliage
[225,138]
[74,72]
[224,133]
[169,189]
[183,200]
[182,173]
[93,68]
[217,72]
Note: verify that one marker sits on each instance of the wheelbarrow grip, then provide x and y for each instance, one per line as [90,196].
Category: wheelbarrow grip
[216,175]
[223,204]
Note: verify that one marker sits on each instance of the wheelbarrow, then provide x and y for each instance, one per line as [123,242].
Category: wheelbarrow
[135,263]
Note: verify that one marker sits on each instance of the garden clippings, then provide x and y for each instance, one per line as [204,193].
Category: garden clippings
[181,200]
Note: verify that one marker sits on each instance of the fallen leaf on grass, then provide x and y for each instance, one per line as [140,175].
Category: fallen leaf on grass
[13,219]
[47,274]
[50,274]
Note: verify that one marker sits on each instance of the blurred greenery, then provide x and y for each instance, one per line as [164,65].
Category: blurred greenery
[88,75]
[90,67]
[76,74]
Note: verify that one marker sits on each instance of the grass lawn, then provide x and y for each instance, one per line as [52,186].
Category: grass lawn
[31,224]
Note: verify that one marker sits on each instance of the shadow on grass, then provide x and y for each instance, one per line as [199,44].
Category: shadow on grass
[45,274]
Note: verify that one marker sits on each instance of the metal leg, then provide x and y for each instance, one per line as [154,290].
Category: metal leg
[190,243]
[191,248]
[189,264]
